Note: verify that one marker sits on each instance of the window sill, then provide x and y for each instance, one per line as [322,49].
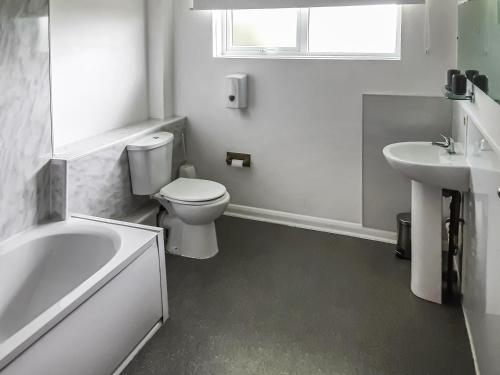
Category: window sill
[310,57]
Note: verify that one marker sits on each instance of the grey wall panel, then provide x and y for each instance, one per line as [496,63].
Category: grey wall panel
[388,119]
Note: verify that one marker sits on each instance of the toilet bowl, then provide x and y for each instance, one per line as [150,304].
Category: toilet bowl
[191,205]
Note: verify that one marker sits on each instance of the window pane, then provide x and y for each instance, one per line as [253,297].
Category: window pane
[265,28]
[354,29]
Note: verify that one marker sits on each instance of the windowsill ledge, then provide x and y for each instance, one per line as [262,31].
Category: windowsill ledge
[310,57]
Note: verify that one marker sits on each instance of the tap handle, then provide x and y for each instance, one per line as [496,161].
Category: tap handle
[445,138]
[446,141]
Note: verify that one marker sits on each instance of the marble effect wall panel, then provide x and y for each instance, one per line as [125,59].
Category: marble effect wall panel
[25,124]
[99,184]
[58,189]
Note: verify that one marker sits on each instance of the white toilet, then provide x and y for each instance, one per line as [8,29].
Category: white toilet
[192,204]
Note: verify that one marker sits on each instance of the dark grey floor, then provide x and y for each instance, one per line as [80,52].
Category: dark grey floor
[279,300]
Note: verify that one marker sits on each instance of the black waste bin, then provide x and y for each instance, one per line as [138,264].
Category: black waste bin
[403,247]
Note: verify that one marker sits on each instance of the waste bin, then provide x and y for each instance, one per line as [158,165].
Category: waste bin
[403,247]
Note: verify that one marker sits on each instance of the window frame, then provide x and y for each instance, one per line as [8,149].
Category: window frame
[222,47]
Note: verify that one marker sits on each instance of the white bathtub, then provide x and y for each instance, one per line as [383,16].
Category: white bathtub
[80,296]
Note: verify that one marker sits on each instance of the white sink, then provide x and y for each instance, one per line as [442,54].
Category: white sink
[431,169]
[429,164]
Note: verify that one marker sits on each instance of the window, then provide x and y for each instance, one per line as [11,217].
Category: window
[350,32]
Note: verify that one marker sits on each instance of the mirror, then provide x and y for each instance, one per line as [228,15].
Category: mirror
[479,40]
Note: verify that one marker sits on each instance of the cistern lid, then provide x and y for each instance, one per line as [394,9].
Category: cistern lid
[151,141]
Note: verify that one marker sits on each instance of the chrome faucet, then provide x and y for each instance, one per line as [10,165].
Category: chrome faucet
[448,143]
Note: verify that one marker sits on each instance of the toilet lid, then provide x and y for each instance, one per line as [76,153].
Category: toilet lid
[193,190]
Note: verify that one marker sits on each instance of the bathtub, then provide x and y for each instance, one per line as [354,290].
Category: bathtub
[80,296]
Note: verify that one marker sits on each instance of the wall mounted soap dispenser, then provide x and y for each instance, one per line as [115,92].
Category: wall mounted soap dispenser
[237,91]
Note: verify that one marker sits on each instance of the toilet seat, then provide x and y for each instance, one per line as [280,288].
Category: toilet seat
[201,203]
[193,191]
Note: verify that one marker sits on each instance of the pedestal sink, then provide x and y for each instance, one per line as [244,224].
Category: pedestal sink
[431,170]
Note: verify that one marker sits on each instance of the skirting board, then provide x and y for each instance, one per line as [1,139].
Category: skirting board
[310,222]
[471,341]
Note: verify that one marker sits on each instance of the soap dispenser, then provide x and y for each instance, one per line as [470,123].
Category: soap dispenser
[237,87]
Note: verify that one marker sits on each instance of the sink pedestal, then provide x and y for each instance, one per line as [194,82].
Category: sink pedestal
[426,238]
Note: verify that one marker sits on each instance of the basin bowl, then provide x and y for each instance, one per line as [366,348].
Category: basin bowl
[429,164]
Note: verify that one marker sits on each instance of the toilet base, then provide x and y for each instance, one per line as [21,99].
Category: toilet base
[190,241]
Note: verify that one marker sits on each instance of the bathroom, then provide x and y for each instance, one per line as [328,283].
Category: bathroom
[225,187]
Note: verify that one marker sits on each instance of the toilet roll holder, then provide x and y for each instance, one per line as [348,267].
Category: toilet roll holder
[245,158]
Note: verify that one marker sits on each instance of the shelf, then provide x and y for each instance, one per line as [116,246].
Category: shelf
[86,146]
[452,96]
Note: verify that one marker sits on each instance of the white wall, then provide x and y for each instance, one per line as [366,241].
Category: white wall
[98,66]
[160,41]
[303,126]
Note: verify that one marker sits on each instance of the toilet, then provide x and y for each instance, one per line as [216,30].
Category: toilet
[192,205]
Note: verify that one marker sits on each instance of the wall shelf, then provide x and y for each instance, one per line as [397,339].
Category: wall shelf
[448,94]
